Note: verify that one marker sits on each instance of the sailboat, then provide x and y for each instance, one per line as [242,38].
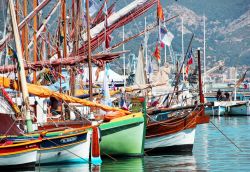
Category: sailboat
[176,132]
[173,135]
[55,147]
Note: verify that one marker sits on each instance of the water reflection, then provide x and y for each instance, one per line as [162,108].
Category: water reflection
[124,164]
[65,168]
[215,152]
[170,162]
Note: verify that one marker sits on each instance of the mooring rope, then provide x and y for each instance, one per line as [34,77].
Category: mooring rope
[69,151]
[226,136]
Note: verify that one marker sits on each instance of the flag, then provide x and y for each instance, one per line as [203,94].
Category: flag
[187,70]
[190,57]
[160,14]
[157,53]
[189,62]
[166,36]
[241,80]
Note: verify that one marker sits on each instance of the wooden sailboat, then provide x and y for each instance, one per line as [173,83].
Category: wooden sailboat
[172,131]
[173,135]
[55,147]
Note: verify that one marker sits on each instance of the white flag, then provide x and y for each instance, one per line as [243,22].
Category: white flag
[166,37]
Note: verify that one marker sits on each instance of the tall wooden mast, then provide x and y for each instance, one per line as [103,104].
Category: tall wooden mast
[200,82]
[64,28]
[17,11]
[89,51]
[35,39]
[22,72]
[25,32]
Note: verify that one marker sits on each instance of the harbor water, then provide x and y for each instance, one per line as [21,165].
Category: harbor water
[212,151]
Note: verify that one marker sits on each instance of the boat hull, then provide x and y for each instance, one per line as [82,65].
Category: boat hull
[174,135]
[60,147]
[19,155]
[239,110]
[215,111]
[20,160]
[179,142]
[123,137]
[65,149]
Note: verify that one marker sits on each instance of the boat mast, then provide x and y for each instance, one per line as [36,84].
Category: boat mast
[182,47]
[35,39]
[204,53]
[25,32]
[64,28]
[22,72]
[165,50]
[17,11]
[235,88]
[200,83]
[146,45]
[74,28]
[89,51]
[124,58]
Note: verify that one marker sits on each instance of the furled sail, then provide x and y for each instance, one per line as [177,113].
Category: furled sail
[40,91]
[98,59]
[140,74]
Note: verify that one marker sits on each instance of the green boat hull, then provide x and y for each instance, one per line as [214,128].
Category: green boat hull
[123,138]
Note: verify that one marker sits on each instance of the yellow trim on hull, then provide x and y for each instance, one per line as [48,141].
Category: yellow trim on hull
[24,151]
[133,115]
[21,144]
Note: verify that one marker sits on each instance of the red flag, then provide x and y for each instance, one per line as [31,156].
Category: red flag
[190,57]
[187,69]
[190,61]
[160,14]
[157,53]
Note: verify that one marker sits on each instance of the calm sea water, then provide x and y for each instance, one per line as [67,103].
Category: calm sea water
[212,152]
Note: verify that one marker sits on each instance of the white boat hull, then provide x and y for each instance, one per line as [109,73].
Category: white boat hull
[19,159]
[77,152]
[215,111]
[240,110]
[181,141]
